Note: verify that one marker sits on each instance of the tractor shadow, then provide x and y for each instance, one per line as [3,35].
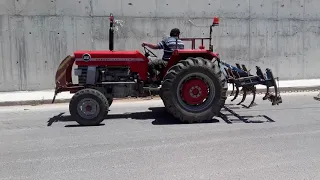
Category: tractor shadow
[64,118]
[161,117]
[158,114]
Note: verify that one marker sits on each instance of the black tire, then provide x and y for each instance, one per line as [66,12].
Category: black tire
[96,97]
[202,111]
[110,100]
[108,96]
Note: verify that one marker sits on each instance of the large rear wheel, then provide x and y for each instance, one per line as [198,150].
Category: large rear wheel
[88,107]
[194,90]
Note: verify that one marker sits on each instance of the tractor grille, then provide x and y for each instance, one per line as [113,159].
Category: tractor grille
[83,77]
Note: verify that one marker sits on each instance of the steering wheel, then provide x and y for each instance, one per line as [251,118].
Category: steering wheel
[147,51]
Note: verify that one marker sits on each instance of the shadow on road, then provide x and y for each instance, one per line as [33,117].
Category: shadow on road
[158,114]
[161,117]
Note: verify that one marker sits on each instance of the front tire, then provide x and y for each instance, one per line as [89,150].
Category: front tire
[88,107]
[194,90]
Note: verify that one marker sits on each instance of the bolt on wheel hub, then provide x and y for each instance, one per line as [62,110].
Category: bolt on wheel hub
[194,91]
[88,108]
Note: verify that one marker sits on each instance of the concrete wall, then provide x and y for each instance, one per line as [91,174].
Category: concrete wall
[35,35]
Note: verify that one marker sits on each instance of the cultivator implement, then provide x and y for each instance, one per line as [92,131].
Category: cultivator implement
[240,77]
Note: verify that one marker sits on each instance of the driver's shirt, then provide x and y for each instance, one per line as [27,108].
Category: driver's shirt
[169,45]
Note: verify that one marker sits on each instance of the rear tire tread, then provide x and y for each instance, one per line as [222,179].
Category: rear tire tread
[168,92]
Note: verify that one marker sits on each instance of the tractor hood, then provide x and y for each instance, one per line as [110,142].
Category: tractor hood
[110,56]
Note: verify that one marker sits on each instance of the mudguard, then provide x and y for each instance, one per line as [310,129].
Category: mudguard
[63,78]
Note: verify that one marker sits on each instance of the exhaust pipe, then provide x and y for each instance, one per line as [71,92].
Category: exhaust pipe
[111,32]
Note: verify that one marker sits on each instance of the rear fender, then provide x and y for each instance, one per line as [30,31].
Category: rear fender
[179,55]
[63,77]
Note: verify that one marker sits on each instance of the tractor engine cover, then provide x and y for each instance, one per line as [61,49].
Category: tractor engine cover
[135,60]
[118,73]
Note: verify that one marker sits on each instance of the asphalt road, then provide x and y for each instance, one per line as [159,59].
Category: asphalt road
[36,143]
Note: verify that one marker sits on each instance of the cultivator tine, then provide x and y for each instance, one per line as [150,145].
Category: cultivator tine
[235,75]
[265,97]
[252,103]
[237,93]
[240,76]
[244,68]
[238,65]
[270,82]
[259,72]
[244,96]
[254,92]
[230,79]
[246,88]
[232,89]
[276,98]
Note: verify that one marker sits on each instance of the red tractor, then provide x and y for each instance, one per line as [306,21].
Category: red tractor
[192,86]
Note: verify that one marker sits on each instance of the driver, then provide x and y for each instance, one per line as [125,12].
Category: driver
[168,45]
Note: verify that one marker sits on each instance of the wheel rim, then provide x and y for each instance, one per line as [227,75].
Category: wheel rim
[195,92]
[88,108]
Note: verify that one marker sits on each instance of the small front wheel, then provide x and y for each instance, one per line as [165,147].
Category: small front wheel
[88,107]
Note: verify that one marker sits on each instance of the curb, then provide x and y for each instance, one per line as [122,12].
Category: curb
[48,101]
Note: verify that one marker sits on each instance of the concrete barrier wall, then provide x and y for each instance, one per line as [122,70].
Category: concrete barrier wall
[35,35]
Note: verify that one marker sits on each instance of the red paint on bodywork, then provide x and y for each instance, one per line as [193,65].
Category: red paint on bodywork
[194,91]
[183,54]
[134,59]
[130,59]
[193,41]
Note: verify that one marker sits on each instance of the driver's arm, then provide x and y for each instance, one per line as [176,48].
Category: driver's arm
[154,46]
